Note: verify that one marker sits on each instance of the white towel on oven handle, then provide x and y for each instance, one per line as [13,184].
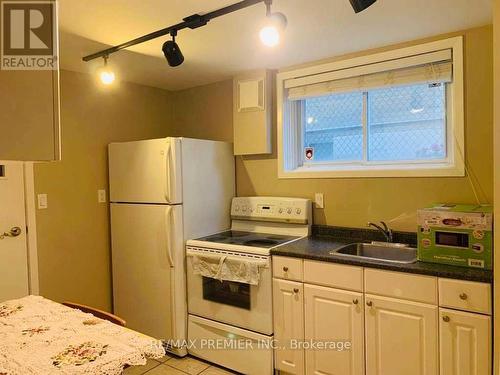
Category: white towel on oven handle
[227,269]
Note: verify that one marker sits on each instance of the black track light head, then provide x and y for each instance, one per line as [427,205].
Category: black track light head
[172,52]
[361,5]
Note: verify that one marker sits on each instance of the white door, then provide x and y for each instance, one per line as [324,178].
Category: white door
[465,343]
[145,171]
[148,268]
[288,314]
[401,337]
[333,315]
[13,248]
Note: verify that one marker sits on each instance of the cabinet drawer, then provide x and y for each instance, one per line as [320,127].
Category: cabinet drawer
[401,285]
[465,295]
[287,268]
[334,275]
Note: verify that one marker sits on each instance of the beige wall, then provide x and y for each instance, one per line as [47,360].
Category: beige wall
[352,202]
[204,112]
[73,233]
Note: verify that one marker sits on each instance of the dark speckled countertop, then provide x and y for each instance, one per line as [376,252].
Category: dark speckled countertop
[326,239]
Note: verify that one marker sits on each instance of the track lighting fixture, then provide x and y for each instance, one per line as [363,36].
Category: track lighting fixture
[172,51]
[106,75]
[361,5]
[270,34]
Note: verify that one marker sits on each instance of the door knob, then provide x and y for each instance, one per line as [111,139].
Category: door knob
[13,232]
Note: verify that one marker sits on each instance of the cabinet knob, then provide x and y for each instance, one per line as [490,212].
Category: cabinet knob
[285,269]
[369,303]
[463,296]
[295,290]
[355,301]
[446,318]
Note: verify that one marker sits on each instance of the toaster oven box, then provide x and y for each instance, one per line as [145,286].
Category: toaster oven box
[455,234]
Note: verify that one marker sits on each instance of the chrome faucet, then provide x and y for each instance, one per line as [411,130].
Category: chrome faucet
[386,231]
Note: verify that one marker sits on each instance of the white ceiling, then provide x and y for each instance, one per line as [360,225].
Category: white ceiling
[316,29]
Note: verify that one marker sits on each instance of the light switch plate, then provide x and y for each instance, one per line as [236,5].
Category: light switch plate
[319,201]
[101,196]
[42,201]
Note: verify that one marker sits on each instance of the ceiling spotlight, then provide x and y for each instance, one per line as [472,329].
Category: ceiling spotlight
[106,75]
[172,51]
[361,5]
[270,34]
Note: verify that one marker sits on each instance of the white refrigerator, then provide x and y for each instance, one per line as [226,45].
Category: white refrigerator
[162,193]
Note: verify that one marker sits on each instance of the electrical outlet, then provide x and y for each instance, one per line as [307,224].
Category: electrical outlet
[42,201]
[101,196]
[319,201]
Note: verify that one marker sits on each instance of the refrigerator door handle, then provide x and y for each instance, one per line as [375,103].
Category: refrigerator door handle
[168,183]
[168,228]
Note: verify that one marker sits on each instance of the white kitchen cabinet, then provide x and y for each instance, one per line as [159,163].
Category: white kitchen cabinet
[29,115]
[465,343]
[29,94]
[401,337]
[252,112]
[334,315]
[402,324]
[288,314]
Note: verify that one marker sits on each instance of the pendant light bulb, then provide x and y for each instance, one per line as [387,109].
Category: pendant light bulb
[270,34]
[106,75]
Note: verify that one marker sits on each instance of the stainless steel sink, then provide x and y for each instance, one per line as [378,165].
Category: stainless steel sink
[388,252]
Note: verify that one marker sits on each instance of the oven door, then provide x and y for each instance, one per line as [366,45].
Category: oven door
[243,305]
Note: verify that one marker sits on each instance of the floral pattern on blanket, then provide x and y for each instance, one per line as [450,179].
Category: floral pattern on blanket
[40,337]
[6,310]
[79,355]
[34,331]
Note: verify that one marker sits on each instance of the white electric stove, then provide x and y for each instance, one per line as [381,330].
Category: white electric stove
[219,309]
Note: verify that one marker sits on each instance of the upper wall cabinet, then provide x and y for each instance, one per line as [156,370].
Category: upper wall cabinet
[252,113]
[29,83]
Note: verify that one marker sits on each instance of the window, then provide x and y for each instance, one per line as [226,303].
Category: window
[398,114]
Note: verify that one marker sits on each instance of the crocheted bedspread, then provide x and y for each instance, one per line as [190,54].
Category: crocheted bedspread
[39,336]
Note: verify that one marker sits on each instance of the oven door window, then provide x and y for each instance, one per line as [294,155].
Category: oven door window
[452,239]
[226,292]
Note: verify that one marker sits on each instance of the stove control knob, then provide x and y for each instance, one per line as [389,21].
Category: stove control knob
[236,208]
[298,211]
[289,210]
[280,211]
[244,208]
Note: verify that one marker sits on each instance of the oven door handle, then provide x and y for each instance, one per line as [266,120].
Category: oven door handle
[260,263]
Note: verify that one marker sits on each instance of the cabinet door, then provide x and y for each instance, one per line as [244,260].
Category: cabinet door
[29,115]
[465,343]
[401,337]
[288,313]
[334,316]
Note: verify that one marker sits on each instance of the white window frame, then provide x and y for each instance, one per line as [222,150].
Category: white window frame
[290,164]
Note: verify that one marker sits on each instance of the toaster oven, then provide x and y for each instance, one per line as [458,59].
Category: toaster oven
[456,234]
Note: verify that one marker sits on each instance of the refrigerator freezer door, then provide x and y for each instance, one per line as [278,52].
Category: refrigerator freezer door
[146,171]
[148,269]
